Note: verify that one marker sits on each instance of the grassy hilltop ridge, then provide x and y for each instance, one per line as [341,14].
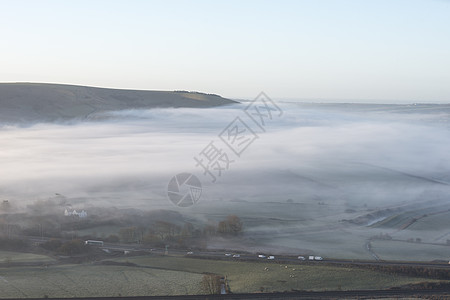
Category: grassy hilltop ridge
[29,102]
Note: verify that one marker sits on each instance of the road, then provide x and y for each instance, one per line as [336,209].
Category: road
[278,258]
[391,293]
[253,257]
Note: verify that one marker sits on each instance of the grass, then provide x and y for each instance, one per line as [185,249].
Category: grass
[7,256]
[396,250]
[94,280]
[435,219]
[309,228]
[100,231]
[251,276]
[433,222]
[168,275]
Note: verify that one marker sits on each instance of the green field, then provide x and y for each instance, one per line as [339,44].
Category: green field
[100,231]
[11,257]
[249,277]
[168,275]
[94,280]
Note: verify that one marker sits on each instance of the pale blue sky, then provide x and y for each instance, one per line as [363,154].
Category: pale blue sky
[390,50]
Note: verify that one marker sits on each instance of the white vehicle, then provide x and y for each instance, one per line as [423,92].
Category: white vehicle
[271,257]
[301,257]
[261,256]
[236,255]
[190,253]
[94,243]
[318,258]
[311,257]
[227,254]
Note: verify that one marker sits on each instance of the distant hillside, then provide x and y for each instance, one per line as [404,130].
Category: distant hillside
[31,102]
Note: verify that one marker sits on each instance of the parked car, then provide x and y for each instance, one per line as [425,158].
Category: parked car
[236,255]
[271,257]
[318,258]
[227,254]
[261,256]
[301,258]
[190,253]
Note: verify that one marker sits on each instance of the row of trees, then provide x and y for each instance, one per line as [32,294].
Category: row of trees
[153,229]
[163,232]
[70,248]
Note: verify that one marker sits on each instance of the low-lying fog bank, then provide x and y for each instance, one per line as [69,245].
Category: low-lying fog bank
[314,167]
[307,154]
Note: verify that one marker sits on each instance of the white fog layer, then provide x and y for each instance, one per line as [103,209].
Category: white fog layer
[331,164]
[350,153]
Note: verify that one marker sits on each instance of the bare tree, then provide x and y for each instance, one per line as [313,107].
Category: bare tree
[211,284]
[232,225]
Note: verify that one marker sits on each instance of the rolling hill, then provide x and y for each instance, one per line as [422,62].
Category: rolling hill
[41,102]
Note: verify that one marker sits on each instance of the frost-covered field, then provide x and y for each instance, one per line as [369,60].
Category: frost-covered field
[92,281]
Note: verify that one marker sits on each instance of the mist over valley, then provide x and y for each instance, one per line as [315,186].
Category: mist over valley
[323,178]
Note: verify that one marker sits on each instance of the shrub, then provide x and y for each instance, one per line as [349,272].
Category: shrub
[52,245]
[73,247]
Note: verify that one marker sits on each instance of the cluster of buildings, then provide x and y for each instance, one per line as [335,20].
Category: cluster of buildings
[82,214]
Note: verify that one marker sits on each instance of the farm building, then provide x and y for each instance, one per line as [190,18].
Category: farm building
[82,214]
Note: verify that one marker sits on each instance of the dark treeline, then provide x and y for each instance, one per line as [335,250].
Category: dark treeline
[416,271]
[46,219]
[162,233]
